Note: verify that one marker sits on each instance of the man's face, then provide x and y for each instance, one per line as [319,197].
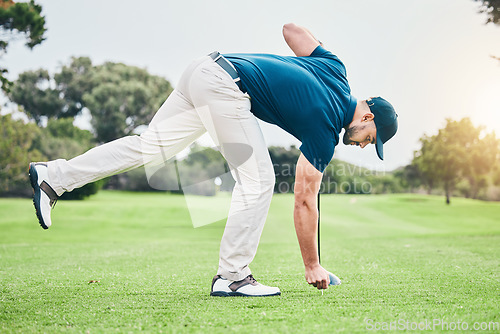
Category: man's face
[361,134]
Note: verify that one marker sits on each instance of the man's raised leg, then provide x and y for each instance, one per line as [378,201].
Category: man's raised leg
[174,127]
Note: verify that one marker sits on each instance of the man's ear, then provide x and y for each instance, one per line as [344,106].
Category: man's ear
[367,117]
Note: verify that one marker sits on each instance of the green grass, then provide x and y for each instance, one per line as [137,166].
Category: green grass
[402,257]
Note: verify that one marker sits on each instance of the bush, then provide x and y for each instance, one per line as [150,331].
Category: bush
[22,143]
[16,152]
[60,139]
[85,191]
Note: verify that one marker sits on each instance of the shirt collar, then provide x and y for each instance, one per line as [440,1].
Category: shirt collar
[350,111]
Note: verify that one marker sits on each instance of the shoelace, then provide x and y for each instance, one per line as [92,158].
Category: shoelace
[252,279]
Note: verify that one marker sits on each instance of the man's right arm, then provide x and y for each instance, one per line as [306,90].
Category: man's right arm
[299,39]
[305,216]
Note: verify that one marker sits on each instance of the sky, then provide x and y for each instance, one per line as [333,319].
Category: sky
[430,58]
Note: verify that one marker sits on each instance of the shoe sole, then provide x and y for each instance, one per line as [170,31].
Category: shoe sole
[238,294]
[36,194]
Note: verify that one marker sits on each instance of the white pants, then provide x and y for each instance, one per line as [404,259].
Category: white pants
[206,99]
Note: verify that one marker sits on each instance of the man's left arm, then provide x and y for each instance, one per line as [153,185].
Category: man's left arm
[300,40]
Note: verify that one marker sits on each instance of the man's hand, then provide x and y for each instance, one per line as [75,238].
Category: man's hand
[318,277]
[299,39]
[305,215]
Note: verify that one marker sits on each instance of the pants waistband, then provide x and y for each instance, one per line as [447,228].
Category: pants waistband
[227,66]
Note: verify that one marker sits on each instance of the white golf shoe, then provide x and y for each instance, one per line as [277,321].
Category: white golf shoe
[247,287]
[44,197]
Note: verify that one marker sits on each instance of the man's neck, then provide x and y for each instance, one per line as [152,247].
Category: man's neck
[361,109]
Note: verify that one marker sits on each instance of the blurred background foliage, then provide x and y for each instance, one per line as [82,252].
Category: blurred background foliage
[19,20]
[118,97]
[492,10]
[460,160]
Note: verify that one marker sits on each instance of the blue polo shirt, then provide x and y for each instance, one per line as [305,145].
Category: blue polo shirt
[308,97]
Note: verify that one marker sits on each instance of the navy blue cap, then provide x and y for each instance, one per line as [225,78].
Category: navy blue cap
[386,121]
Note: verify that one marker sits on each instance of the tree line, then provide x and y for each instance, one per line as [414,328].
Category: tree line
[203,171]
[460,159]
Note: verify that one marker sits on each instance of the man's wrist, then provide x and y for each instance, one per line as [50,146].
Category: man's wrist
[312,265]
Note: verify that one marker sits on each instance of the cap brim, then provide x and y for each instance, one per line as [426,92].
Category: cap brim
[380,148]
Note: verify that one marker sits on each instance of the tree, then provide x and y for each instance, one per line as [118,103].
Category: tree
[492,10]
[451,146]
[22,143]
[61,139]
[284,162]
[73,81]
[482,154]
[200,168]
[34,93]
[19,20]
[425,163]
[409,177]
[122,98]
[495,174]
[55,97]
[119,97]
[457,152]
[16,152]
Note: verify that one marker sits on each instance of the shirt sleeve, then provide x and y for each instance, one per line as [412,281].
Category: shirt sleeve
[322,52]
[318,151]
[329,59]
